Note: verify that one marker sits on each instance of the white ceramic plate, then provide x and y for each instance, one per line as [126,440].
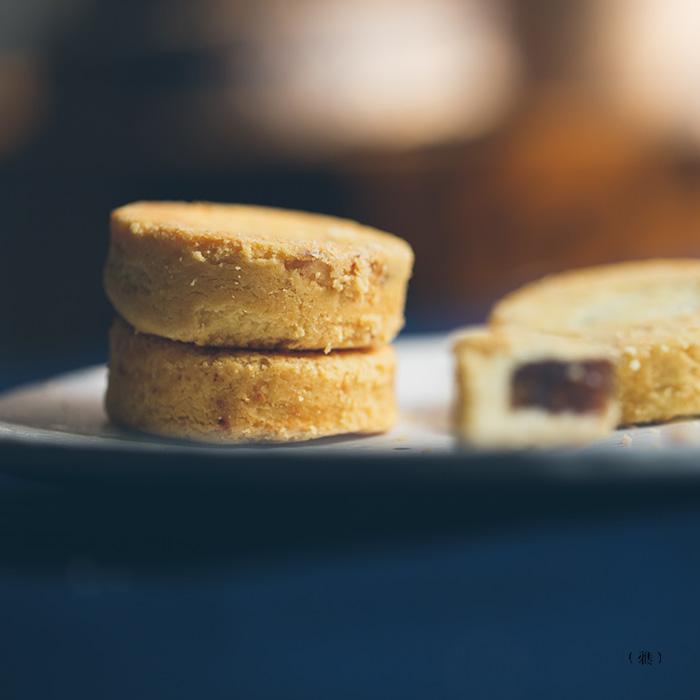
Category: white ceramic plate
[67,411]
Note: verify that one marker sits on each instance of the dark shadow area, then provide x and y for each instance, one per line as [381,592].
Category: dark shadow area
[195,512]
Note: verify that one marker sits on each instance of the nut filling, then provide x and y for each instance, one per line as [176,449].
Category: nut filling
[559,387]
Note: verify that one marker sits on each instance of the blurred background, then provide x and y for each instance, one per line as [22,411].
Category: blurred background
[503,138]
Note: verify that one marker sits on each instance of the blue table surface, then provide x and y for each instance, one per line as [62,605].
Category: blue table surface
[113,597]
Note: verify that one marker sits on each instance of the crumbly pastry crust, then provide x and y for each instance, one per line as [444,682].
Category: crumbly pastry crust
[658,373]
[180,390]
[647,312]
[254,277]
[485,361]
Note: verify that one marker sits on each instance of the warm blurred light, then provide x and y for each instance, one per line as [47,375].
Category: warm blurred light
[389,73]
[649,53]
[22,101]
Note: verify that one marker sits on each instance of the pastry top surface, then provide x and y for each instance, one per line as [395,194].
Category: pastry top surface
[264,228]
[639,298]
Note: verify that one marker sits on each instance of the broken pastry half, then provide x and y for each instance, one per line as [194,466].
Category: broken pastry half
[519,388]
[646,312]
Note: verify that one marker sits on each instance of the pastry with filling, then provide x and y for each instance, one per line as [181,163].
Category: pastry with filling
[517,389]
[254,277]
[181,390]
[647,313]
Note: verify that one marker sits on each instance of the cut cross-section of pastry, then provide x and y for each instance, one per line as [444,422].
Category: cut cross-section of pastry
[517,388]
[647,312]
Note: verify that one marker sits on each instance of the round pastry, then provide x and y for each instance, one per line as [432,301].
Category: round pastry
[211,394]
[648,312]
[252,277]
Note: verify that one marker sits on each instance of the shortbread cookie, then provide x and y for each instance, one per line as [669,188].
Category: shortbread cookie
[180,390]
[516,389]
[251,277]
[648,312]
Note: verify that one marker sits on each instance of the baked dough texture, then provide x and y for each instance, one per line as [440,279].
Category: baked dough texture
[485,363]
[254,277]
[647,312]
[211,394]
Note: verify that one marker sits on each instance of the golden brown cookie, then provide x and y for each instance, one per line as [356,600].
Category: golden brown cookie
[180,390]
[519,388]
[252,277]
[648,312]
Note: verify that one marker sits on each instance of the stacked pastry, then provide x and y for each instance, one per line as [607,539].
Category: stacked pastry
[247,324]
[569,357]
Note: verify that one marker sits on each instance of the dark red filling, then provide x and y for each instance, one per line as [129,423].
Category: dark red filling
[558,387]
